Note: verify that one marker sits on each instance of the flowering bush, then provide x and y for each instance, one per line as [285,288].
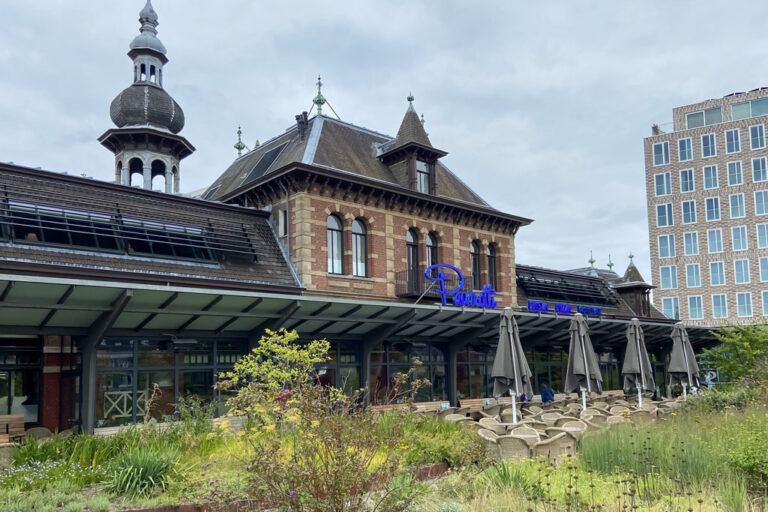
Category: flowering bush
[41,475]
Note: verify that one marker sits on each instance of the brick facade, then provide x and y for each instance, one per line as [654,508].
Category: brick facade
[723,191]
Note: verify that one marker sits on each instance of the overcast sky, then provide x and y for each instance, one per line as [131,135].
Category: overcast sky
[542,106]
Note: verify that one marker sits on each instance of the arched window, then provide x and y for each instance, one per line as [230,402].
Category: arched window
[412,250]
[359,248]
[491,253]
[474,253]
[334,245]
[432,251]
[143,73]
[136,167]
[152,76]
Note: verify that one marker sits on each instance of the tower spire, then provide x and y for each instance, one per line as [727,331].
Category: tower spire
[610,263]
[239,146]
[319,100]
[591,260]
[410,99]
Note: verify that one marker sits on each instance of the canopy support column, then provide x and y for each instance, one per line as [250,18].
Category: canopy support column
[377,336]
[88,354]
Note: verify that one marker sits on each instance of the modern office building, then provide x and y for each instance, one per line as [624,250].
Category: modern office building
[707,191]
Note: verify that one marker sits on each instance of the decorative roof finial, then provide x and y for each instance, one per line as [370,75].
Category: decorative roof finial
[148,19]
[319,100]
[591,260]
[610,263]
[410,101]
[631,256]
[239,146]
[422,119]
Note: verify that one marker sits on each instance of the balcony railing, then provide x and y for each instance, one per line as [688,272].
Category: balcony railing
[413,284]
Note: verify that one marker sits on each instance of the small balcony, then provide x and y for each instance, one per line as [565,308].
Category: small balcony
[413,284]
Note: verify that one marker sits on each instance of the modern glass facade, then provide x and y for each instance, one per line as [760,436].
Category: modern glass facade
[390,359]
[130,370]
[20,377]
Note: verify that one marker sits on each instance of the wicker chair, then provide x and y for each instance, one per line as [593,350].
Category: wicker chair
[620,409]
[493,426]
[550,417]
[491,443]
[462,410]
[642,415]
[491,410]
[613,420]
[597,419]
[457,417]
[603,406]
[38,433]
[532,410]
[564,419]
[555,448]
[513,447]
[508,416]
[593,412]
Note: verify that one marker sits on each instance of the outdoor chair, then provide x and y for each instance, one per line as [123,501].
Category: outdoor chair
[613,420]
[597,419]
[550,417]
[594,412]
[574,428]
[564,419]
[554,448]
[620,409]
[508,416]
[647,407]
[491,443]
[38,433]
[533,423]
[531,435]
[471,425]
[620,401]
[532,410]
[603,406]
[642,415]
[464,410]
[442,413]
[573,408]
[493,426]
[513,447]
[457,418]
[491,410]
[591,425]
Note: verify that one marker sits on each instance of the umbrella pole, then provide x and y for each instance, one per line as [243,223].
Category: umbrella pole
[514,409]
[685,395]
[639,396]
[583,399]
[517,384]
[586,370]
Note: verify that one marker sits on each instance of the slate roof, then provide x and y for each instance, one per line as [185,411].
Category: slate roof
[411,130]
[333,144]
[252,257]
[582,286]
[144,104]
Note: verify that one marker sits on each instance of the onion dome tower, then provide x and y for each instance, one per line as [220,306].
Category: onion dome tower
[148,120]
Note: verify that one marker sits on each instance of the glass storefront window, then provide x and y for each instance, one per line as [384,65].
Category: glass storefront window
[377,381]
[350,379]
[477,381]
[114,399]
[163,401]
[230,352]
[198,384]
[439,382]
[423,394]
[199,354]
[462,381]
[153,353]
[115,354]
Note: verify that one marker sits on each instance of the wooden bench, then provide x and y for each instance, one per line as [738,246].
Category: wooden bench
[11,427]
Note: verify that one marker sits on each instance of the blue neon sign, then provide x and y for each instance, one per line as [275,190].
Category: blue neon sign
[484,299]
[563,309]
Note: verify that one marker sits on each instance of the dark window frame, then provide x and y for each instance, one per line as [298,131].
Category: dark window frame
[334,245]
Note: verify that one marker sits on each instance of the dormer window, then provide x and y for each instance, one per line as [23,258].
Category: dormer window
[422,176]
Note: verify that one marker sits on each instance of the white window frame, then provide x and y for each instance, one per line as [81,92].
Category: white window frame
[669,244]
[704,176]
[744,264]
[765,238]
[682,211]
[692,235]
[763,267]
[706,209]
[692,174]
[742,230]
[667,177]
[737,141]
[670,215]
[700,307]
[735,163]
[739,199]
[689,148]
[675,306]
[697,275]
[748,303]
[721,265]
[725,305]
[765,302]
[764,173]
[764,193]
[664,153]
[714,145]
[761,137]
[709,240]
[672,271]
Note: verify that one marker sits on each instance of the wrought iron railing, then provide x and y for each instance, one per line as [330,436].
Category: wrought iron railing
[413,284]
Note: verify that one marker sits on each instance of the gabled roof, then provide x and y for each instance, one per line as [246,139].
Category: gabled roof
[411,130]
[331,144]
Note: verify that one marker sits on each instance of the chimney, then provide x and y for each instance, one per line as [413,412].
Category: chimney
[301,124]
[655,130]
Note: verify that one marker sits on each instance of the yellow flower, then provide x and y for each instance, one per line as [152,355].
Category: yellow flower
[673,414]
[269,428]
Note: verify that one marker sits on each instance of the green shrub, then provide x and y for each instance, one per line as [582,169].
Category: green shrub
[718,399]
[449,507]
[30,450]
[41,475]
[509,475]
[747,449]
[431,441]
[138,473]
[73,506]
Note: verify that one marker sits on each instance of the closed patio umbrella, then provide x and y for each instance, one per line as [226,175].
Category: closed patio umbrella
[510,372]
[682,368]
[637,369]
[583,371]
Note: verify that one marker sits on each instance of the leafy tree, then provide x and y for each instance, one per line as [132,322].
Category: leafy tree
[742,353]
